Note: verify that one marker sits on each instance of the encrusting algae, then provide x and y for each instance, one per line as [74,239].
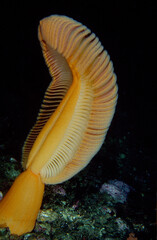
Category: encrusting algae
[72,123]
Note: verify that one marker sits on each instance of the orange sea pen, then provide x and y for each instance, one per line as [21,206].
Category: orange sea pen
[72,123]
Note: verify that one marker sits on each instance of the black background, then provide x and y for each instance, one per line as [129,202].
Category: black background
[127,31]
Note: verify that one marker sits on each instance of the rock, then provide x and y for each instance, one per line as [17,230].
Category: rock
[47,215]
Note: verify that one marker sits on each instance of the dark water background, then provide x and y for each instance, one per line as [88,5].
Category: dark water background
[127,32]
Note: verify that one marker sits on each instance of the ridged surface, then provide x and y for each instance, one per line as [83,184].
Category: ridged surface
[62,80]
[78,105]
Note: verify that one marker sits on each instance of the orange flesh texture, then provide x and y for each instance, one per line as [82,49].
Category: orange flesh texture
[19,208]
[54,135]
[63,141]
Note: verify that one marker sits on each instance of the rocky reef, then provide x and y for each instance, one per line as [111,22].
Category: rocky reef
[87,207]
